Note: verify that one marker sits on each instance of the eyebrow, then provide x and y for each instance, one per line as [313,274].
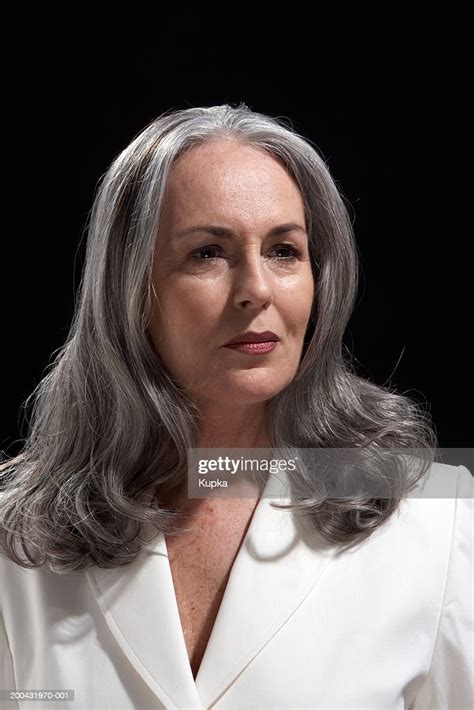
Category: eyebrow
[226,233]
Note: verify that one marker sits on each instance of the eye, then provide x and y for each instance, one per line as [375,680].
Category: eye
[205,250]
[294,253]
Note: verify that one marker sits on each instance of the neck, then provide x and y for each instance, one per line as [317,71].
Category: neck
[243,426]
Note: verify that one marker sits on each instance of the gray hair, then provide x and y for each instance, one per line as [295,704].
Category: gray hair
[109,423]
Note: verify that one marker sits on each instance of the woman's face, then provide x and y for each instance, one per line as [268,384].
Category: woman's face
[231,255]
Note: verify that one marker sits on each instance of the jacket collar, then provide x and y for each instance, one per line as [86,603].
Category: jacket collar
[277,565]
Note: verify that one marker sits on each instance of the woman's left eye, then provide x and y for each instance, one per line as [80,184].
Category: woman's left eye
[294,252]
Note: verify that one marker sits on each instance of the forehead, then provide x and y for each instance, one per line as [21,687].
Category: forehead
[226,176]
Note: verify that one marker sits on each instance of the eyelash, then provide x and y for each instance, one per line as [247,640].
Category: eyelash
[294,255]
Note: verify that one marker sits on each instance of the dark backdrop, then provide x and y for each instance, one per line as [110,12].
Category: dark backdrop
[379,91]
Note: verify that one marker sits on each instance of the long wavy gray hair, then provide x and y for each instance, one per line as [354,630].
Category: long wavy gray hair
[109,424]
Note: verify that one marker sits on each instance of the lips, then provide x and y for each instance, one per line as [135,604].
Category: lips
[254,348]
[251,336]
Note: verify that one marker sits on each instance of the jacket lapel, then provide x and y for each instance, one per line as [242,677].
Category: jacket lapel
[275,569]
[139,606]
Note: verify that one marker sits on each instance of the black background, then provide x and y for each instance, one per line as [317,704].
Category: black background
[381,92]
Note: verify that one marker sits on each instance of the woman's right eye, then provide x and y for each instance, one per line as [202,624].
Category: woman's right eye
[205,250]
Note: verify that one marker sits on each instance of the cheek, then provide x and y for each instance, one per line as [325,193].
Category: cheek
[191,305]
[307,296]
[296,303]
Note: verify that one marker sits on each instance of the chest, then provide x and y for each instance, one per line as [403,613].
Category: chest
[201,561]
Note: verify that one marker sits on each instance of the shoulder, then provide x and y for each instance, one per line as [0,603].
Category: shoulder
[19,584]
[434,517]
[430,519]
[445,481]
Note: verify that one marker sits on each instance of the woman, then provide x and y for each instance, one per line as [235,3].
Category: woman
[216,227]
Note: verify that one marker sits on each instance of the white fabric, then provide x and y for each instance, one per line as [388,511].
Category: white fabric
[386,625]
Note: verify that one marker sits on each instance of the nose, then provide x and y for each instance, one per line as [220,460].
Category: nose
[252,286]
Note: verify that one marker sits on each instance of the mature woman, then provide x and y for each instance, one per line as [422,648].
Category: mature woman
[220,275]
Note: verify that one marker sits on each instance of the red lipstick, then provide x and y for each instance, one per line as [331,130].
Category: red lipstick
[254,343]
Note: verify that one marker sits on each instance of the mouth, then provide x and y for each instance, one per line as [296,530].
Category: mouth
[252,336]
[254,348]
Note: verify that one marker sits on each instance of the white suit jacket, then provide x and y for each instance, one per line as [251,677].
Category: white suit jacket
[386,625]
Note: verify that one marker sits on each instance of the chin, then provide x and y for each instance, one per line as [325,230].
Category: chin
[250,389]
